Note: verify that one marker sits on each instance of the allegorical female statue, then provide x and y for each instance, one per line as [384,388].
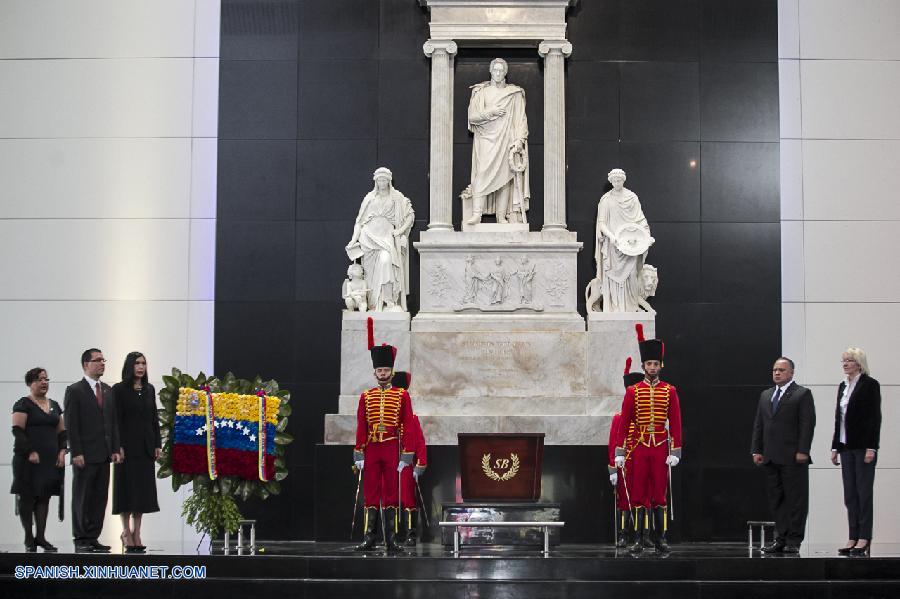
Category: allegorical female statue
[500,148]
[623,238]
[381,239]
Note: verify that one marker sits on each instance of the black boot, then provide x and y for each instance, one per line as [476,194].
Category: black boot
[640,521]
[391,524]
[624,526]
[412,521]
[370,519]
[660,525]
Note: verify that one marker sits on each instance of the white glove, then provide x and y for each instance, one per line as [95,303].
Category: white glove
[359,464]
[614,478]
[401,466]
[672,460]
[620,461]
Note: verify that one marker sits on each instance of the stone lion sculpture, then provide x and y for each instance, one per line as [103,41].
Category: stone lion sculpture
[649,278]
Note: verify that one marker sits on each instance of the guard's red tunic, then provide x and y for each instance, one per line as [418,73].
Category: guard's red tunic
[407,482]
[380,415]
[655,413]
[622,494]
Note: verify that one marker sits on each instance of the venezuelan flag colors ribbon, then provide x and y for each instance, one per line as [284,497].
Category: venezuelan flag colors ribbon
[225,434]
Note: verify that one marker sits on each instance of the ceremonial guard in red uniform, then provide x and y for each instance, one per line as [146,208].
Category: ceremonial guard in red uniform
[652,407]
[624,519]
[382,411]
[409,477]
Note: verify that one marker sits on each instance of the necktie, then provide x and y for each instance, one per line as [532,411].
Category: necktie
[99,395]
[776,399]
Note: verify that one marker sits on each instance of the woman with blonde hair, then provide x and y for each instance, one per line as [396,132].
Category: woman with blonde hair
[854,447]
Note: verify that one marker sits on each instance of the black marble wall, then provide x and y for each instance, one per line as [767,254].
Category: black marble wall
[682,94]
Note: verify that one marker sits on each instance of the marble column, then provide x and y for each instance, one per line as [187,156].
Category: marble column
[554,53]
[441,53]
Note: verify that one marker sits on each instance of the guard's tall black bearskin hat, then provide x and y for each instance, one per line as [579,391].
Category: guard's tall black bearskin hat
[631,378]
[401,379]
[382,356]
[651,349]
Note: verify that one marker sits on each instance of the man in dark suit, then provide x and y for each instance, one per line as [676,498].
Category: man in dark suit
[90,416]
[782,435]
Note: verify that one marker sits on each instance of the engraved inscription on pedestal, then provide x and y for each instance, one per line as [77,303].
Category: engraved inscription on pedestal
[499,364]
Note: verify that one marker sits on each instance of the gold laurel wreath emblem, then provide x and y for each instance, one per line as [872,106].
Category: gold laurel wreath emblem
[489,472]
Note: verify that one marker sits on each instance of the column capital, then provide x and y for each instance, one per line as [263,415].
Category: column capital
[432,46]
[564,47]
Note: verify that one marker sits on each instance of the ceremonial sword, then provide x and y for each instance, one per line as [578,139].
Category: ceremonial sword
[355,502]
[422,499]
[671,495]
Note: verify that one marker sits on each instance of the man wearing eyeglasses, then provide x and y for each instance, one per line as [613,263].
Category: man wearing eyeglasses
[90,417]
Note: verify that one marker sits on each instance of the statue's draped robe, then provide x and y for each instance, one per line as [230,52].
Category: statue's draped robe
[385,257]
[619,273]
[494,138]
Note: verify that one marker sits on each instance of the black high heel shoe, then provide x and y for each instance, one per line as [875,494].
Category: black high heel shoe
[862,551]
[45,545]
[849,548]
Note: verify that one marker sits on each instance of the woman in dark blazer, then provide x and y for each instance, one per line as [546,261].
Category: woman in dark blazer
[857,426]
[134,480]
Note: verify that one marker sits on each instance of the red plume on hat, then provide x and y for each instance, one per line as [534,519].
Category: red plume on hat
[370,332]
[627,365]
[640,332]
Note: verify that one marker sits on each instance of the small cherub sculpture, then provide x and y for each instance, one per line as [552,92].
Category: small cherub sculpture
[354,289]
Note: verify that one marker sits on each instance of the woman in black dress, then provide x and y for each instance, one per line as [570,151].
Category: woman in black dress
[134,480]
[39,454]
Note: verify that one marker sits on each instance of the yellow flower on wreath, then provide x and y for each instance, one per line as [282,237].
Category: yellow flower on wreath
[233,406]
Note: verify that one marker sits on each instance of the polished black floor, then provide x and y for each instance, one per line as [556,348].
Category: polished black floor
[299,569]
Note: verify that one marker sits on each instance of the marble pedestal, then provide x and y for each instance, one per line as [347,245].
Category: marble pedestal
[511,373]
[356,363]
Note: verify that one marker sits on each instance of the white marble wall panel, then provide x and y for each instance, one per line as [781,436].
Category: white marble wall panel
[138,97]
[105,109]
[202,254]
[850,137]
[840,100]
[827,520]
[95,178]
[791,169]
[200,337]
[789,98]
[831,327]
[54,333]
[204,169]
[828,517]
[205,105]
[792,263]
[851,261]
[129,259]
[793,334]
[788,28]
[206,27]
[851,179]
[96,28]
[868,29]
